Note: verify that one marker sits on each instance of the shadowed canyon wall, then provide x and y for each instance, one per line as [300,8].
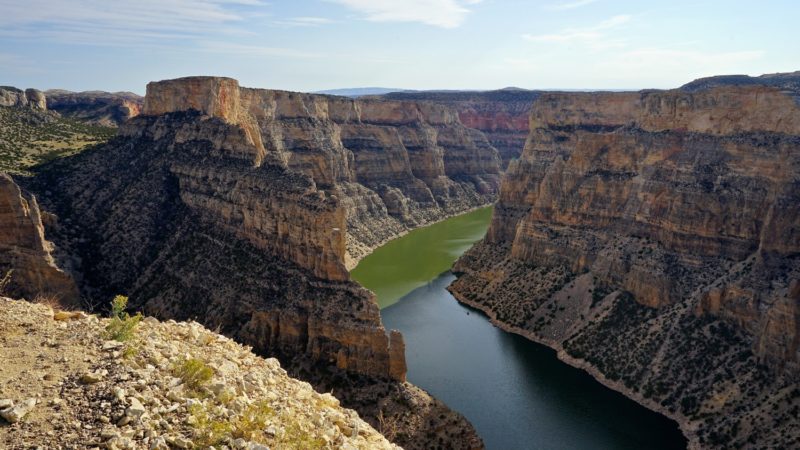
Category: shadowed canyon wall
[654,238]
[234,207]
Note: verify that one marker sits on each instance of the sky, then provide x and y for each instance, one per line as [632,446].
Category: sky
[309,45]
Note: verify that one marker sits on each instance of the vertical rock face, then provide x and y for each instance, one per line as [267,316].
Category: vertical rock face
[25,255]
[654,237]
[501,115]
[233,207]
[394,165]
[32,98]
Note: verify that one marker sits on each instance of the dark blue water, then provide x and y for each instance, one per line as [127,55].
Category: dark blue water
[515,392]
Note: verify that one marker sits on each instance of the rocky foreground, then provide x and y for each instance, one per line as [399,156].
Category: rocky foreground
[66,383]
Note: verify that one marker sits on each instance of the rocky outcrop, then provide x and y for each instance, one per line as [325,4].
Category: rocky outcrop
[31,98]
[394,165]
[170,385]
[26,259]
[652,238]
[107,109]
[501,115]
[232,206]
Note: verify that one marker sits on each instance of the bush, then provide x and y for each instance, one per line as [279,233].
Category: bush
[122,326]
[194,373]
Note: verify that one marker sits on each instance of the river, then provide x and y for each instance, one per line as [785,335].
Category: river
[515,392]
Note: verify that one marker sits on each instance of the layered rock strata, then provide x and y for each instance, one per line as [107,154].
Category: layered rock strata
[231,206]
[394,165]
[653,238]
[501,115]
[27,264]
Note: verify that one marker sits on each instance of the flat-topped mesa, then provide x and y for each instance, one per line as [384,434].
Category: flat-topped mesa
[721,110]
[217,97]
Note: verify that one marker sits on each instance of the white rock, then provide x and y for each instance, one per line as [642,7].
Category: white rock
[6,403]
[136,410]
[14,414]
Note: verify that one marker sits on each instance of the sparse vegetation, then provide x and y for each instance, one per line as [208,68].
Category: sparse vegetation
[194,373]
[122,326]
[29,137]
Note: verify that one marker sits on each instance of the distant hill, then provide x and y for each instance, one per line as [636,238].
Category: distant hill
[360,92]
[789,81]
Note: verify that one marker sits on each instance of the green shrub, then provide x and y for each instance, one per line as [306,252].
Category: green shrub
[122,326]
[194,373]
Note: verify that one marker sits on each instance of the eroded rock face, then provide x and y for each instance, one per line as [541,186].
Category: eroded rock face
[25,254]
[32,98]
[686,202]
[501,115]
[394,165]
[232,207]
[95,107]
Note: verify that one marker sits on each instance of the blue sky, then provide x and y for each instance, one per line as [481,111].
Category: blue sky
[417,44]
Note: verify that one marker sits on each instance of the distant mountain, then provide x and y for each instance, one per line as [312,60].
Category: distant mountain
[789,81]
[360,92]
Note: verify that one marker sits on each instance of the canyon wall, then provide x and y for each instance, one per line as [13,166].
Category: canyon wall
[501,115]
[394,165]
[234,207]
[27,264]
[653,238]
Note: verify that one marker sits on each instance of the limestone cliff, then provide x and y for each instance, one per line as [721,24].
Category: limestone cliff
[25,255]
[394,165]
[232,206]
[106,109]
[501,115]
[31,98]
[653,237]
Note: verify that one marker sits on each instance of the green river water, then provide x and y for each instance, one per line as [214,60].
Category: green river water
[516,393]
[413,260]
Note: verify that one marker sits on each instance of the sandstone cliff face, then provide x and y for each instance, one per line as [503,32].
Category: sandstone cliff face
[233,207]
[32,98]
[501,115]
[687,202]
[394,165]
[95,107]
[25,255]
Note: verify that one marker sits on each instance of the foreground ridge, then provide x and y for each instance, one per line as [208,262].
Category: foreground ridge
[70,386]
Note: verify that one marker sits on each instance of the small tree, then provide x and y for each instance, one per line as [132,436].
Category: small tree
[122,326]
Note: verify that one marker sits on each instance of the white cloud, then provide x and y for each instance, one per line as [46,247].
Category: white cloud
[440,13]
[594,36]
[119,20]
[303,21]
[569,5]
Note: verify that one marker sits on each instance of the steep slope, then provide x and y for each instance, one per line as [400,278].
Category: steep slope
[26,261]
[653,238]
[169,385]
[99,108]
[501,115]
[393,165]
[231,206]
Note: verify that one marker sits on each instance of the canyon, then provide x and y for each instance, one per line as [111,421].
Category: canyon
[501,115]
[651,238]
[243,208]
